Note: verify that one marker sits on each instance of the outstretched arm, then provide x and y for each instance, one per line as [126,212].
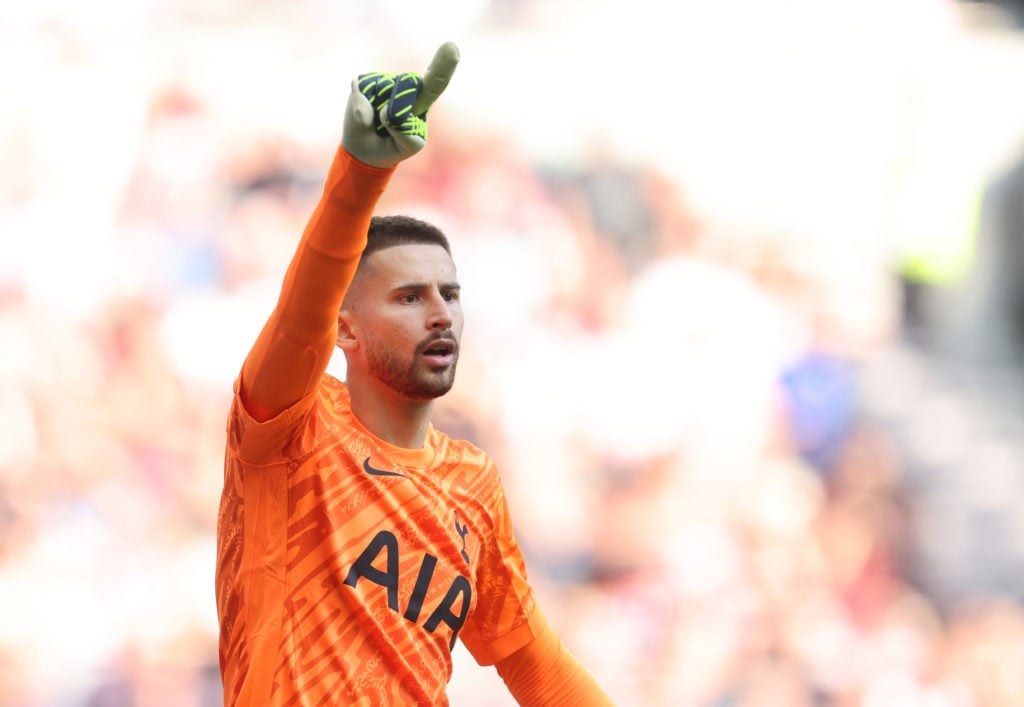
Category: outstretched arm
[544,674]
[385,123]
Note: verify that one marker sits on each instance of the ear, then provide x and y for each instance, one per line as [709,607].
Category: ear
[346,340]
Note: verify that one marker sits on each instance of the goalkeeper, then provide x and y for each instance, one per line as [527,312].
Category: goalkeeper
[356,543]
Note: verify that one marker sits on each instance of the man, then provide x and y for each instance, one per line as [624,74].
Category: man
[356,542]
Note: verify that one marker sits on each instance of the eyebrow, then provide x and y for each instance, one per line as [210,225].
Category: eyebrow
[426,285]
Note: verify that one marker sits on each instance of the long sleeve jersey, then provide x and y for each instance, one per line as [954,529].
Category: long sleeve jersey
[347,567]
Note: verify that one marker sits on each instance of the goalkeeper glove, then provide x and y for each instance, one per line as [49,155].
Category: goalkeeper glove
[386,115]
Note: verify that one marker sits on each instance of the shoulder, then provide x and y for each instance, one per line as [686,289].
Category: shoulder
[332,397]
[332,387]
[453,448]
[465,468]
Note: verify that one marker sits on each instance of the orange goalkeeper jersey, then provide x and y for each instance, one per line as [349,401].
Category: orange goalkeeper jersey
[346,567]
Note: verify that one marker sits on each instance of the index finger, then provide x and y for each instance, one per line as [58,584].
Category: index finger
[436,79]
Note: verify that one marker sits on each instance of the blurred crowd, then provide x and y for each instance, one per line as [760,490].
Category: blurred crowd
[741,476]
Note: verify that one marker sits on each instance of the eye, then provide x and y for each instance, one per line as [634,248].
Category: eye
[409,298]
[450,295]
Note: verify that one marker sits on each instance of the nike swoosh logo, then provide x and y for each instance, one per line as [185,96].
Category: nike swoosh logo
[378,472]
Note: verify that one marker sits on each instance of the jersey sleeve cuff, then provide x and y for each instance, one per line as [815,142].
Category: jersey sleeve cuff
[259,442]
[509,642]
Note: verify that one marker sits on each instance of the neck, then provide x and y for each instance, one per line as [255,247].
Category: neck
[389,416]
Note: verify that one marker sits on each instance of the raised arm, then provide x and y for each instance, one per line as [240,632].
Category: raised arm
[385,123]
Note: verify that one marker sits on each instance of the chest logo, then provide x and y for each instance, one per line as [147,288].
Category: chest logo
[378,472]
[383,549]
[462,530]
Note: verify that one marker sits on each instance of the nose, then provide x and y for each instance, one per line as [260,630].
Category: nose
[440,316]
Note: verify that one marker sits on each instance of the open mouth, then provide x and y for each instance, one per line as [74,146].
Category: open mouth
[440,348]
[440,353]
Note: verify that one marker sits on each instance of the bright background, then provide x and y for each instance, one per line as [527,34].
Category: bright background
[744,308]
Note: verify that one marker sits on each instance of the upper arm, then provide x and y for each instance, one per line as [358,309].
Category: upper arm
[503,618]
[294,348]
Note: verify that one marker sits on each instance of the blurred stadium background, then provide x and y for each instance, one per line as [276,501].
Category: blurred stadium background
[744,299]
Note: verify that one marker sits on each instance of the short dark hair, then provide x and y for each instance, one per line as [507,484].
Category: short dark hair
[387,231]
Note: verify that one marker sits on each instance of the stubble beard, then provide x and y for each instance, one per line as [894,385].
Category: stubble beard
[411,378]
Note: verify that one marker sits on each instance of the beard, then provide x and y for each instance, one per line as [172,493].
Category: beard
[413,379]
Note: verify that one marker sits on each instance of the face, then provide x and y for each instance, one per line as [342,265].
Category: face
[404,320]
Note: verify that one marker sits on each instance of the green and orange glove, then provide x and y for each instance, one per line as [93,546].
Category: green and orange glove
[386,114]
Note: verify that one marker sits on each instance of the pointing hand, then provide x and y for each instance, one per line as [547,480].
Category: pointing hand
[386,115]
